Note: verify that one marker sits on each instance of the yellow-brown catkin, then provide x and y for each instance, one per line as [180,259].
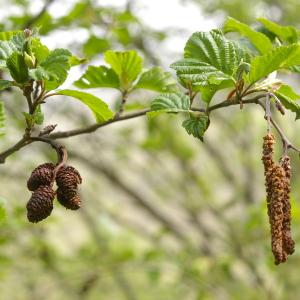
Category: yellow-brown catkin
[277,183]
[267,158]
[288,242]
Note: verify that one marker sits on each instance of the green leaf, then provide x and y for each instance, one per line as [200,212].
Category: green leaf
[288,96]
[96,105]
[7,35]
[260,41]
[2,119]
[128,65]
[208,91]
[4,84]
[209,59]
[98,77]
[285,33]
[196,126]
[170,103]
[53,69]
[279,58]
[95,46]
[199,73]
[156,79]
[38,117]
[17,67]
[40,51]
[122,34]
[2,210]
[75,61]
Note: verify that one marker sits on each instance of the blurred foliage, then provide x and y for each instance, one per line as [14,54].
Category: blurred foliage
[164,216]
[281,11]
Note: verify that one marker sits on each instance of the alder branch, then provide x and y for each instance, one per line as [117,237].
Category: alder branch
[27,139]
[94,127]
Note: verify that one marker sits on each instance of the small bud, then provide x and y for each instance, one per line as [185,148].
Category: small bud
[27,32]
[48,129]
[30,60]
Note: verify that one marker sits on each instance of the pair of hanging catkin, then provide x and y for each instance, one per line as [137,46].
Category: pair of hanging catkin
[41,183]
[278,186]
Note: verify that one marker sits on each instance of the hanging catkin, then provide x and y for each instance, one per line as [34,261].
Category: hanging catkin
[288,241]
[277,181]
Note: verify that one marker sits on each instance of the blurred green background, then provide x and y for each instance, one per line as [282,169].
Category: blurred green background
[164,216]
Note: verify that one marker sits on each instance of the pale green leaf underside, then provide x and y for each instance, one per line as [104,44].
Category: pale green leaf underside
[260,41]
[128,64]
[280,58]
[285,33]
[98,77]
[17,67]
[2,119]
[156,79]
[288,98]
[199,73]
[96,105]
[196,126]
[7,47]
[170,102]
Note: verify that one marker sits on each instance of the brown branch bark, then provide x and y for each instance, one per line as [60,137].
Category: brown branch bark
[91,128]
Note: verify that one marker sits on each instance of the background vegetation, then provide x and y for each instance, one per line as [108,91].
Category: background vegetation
[164,216]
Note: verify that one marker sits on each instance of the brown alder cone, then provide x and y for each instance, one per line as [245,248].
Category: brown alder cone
[41,175]
[40,204]
[288,242]
[68,177]
[69,198]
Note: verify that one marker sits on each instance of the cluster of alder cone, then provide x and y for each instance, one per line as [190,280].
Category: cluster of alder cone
[278,187]
[41,184]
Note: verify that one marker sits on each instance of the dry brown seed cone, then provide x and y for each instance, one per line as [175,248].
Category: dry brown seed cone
[40,204]
[42,175]
[69,198]
[68,177]
[288,242]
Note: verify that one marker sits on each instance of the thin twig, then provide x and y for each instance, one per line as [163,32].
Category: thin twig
[286,143]
[94,127]
[61,151]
